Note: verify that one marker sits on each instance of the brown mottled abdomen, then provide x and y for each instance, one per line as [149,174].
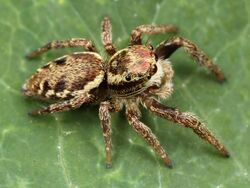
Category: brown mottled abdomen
[67,77]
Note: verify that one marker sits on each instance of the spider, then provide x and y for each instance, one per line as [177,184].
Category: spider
[133,76]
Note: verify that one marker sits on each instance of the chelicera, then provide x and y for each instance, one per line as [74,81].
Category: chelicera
[137,75]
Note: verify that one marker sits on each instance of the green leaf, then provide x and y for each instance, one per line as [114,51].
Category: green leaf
[67,150]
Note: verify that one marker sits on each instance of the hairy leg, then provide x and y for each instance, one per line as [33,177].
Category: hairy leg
[166,48]
[64,105]
[75,42]
[184,119]
[104,115]
[147,134]
[107,36]
[135,38]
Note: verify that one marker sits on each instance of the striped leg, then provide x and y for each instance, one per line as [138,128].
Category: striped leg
[71,43]
[63,106]
[104,115]
[107,36]
[147,134]
[166,48]
[135,38]
[185,119]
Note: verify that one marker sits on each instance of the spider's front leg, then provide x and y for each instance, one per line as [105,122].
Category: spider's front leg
[135,38]
[146,133]
[166,48]
[107,36]
[71,43]
[185,119]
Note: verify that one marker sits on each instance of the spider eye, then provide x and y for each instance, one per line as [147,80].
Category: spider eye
[156,57]
[154,69]
[128,77]
[150,47]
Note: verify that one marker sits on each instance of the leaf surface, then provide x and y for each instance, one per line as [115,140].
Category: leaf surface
[67,150]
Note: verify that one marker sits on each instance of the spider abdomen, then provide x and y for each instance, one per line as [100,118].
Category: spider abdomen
[66,77]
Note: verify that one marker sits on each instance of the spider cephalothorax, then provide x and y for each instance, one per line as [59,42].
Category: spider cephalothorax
[130,69]
[132,76]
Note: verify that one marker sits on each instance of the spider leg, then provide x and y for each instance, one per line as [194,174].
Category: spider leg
[64,105]
[107,36]
[75,42]
[184,119]
[147,134]
[135,38]
[166,48]
[104,115]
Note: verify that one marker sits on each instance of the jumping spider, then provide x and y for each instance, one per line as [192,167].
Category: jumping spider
[137,74]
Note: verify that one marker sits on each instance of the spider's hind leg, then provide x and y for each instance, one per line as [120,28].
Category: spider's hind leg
[166,48]
[63,106]
[71,43]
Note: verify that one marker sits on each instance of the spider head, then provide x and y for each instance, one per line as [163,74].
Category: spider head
[130,69]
